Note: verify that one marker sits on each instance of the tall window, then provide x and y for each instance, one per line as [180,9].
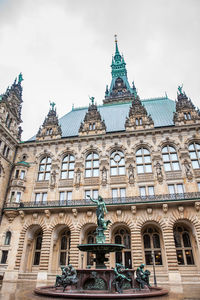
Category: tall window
[44,169]
[183,245]
[117,163]
[7,238]
[170,158]
[92,165]
[64,248]
[122,236]
[151,241]
[194,150]
[18,197]
[38,247]
[4,256]
[67,169]
[65,196]
[143,161]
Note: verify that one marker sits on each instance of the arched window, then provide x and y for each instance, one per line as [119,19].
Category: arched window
[92,165]
[7,238]
[44,169]
[91,239]
[38,247]
[117,163]
[143,161]
[194,150]
[64,248]
[151,242]
[122,236]
[170,158]
[67,168]
[183,245]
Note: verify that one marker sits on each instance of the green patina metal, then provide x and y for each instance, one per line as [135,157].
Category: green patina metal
[118,67]
[52,104]
[20,78]
[23,163]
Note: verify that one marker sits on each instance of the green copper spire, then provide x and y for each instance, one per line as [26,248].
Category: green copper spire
[119,85]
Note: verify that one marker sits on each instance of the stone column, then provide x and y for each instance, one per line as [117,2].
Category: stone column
[45,251]
[74,251]
[171,260]
[136,247]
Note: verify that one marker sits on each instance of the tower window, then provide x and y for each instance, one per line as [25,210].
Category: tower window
[7,238]
[4,256]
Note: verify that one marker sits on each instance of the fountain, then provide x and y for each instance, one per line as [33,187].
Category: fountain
[101,283]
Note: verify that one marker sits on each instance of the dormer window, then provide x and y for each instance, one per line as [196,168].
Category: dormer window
[187,116]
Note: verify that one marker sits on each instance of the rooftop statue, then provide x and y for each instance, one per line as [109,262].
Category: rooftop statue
[180,89]
[92,100]
[101,223]
[20,78]
[52,104]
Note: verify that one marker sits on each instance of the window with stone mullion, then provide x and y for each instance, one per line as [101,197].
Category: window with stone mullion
[194,151]
[143,161]
[170,158]
[183,246]
[151,241]
[92,165]
[44,169]
[67,171]
[117,163]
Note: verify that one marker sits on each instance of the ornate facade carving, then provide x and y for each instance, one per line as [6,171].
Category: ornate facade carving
[186,113]
[92,124]
[138,117]
[50,128]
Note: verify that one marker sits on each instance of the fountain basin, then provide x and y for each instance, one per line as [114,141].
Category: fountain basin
[96,294]
[96,248]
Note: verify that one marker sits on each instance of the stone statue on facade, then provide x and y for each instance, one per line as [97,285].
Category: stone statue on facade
[78,178]
[53,178]
[159,172]
[101,223]
[119,277]
[188,171]
[131,174]
[68,277]
[104,175]
[142,277]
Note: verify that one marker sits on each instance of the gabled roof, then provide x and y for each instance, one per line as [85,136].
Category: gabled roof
[114,115]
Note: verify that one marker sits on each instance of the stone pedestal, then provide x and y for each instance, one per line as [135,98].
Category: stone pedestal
[175,282]
[41,279]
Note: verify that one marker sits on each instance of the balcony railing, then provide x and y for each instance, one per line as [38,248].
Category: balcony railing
[108,201]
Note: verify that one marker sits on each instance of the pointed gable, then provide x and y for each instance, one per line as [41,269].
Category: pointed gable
[50,128]
[138,117]
[186,113]
[92,123]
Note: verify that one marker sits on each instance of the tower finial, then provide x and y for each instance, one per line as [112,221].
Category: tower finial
[115,38]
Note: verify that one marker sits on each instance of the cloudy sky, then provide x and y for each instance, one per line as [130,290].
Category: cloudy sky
[64,49]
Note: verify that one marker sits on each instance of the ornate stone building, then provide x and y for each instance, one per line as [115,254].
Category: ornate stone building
[141,156]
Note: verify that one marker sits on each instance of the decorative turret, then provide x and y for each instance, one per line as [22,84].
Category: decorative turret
[138,117]
[10,108]
[50,128]
[92,123]
[186,113]
[120,90]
